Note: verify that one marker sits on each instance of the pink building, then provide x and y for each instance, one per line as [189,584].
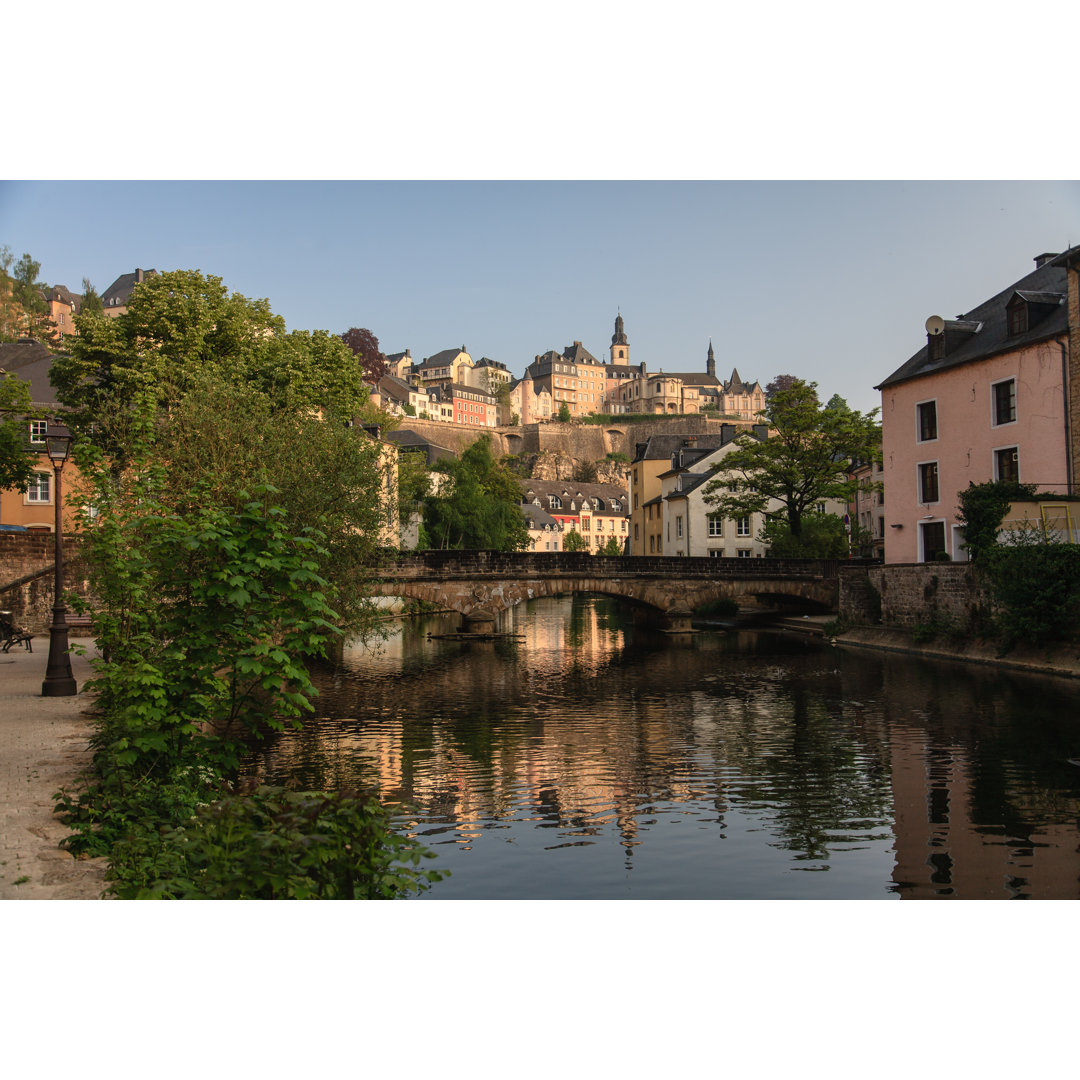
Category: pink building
[985,399]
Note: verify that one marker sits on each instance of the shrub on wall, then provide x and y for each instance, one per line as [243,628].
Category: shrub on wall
[1037,590]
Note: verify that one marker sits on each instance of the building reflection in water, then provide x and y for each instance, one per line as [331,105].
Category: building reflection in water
[581,725]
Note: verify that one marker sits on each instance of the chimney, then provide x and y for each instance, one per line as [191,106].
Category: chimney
[138,276]
[1042,260]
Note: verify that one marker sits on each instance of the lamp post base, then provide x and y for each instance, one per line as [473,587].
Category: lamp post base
[59,682]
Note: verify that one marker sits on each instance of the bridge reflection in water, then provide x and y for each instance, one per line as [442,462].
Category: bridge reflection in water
[598,759]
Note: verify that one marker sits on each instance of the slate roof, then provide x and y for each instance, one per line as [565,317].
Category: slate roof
[408,440]
[578,354]
[65,295]
[537,517]
[690,481]
[32,362]
[992,337]
[395,388]
[119,292]
[600,496]
[689,378]
[441,359]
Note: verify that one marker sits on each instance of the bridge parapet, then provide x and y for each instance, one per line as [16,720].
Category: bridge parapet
[444,564]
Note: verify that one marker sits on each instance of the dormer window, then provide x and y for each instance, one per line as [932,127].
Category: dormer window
[1017,313]
[1025,309]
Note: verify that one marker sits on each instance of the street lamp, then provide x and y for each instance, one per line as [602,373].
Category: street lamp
[59,682]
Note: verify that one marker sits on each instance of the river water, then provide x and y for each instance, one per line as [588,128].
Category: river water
[584,757]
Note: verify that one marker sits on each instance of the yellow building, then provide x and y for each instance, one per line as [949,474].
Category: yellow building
[35,508]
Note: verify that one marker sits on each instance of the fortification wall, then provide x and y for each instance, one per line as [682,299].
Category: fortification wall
[582,442]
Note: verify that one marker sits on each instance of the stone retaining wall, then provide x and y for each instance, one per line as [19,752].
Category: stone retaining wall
[908,594]
[25,590]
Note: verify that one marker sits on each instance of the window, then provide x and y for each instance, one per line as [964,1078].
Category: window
[38,428]
[933,539]
[1006,464]
[1018,317]
[742,526]
[928,482]
[743,553]
[716,526]
[927,411]
[1004,401]
[37,490]
[678,525]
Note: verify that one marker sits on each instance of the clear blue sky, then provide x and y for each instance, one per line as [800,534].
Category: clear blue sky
[831,281]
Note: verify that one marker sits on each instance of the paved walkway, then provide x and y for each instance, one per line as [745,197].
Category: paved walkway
[43,747]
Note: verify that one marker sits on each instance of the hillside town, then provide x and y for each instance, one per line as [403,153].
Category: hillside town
[991,395]
[705,544]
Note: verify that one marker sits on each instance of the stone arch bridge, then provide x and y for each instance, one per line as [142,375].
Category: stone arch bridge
[480,585]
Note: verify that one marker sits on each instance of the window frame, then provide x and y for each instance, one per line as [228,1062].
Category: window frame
[920,478]
[919,425]
[997,452]
[32,494]
[995,421]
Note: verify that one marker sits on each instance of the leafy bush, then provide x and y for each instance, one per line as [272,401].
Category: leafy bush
[983,508]
[823,537]
[275,844]
[1037,590]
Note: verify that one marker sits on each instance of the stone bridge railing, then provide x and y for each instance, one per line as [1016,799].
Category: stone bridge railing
[482,584]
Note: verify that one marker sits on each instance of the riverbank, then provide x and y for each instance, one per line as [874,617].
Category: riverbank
[44,745]
[1061,660]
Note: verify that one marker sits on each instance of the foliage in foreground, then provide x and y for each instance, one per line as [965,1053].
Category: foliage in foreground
[273,844]
[206,619]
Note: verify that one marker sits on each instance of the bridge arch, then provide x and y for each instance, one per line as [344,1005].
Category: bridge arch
[480,586]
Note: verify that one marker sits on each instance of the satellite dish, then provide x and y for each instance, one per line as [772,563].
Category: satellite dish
[935,325]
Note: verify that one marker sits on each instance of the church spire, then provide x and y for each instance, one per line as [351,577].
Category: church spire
[620,347]
[710,364]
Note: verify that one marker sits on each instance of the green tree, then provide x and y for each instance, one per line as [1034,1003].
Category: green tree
[327,476]
[807,458]
[182,327]
[983,508]
[564,413]
[91,300]
[16,459]
[477,505]
[574,541]
[24,311]
[612,547]
[824,536]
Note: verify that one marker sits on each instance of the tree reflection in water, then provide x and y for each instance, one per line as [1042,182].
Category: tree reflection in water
[590,757]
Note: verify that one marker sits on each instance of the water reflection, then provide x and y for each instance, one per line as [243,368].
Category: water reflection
[583,756]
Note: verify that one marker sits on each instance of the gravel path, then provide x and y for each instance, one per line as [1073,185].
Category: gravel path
[43,747]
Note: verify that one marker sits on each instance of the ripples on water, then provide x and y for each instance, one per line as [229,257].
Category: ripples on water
[588,758]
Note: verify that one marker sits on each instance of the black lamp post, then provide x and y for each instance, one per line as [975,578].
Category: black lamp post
[59,682]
